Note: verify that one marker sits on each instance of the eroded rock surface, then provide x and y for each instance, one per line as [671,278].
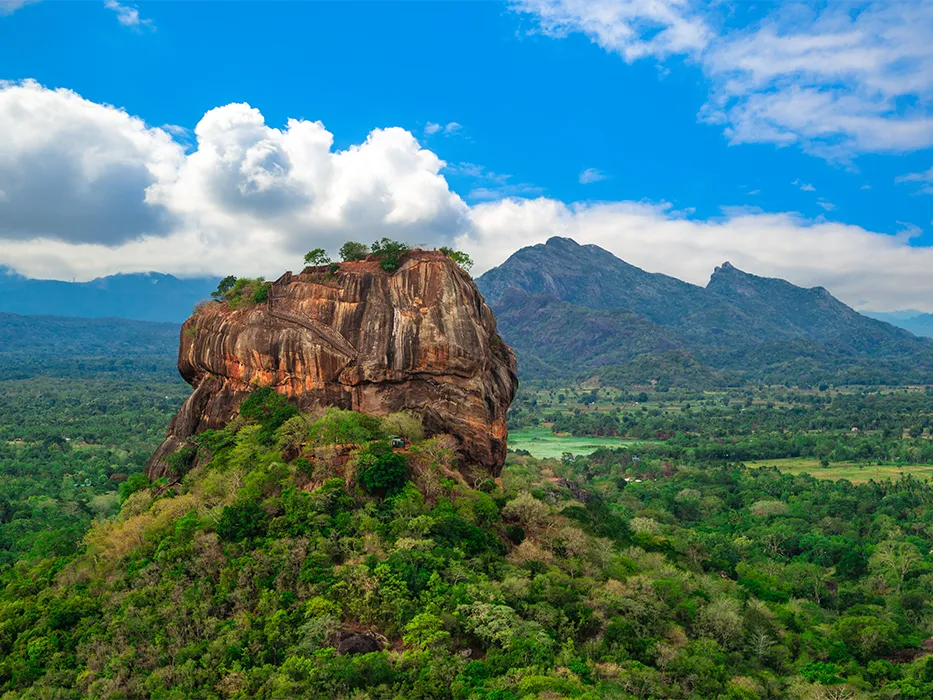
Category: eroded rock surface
[421,339]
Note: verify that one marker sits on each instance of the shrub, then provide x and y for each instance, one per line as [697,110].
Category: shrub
[243,292]
[389,253]
[351,250]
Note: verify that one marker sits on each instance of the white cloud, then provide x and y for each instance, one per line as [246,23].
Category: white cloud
[632,28]
[128,15]
[925,177]
[806,187]
[8,7]
[492,185]
[76,170]
[827,206]
[837,79]
[591,175]
[448,129]
[250,199]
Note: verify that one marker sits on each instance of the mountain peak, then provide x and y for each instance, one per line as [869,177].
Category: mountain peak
[561,242]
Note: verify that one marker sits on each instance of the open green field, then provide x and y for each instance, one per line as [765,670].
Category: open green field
[543,444]
[854,472]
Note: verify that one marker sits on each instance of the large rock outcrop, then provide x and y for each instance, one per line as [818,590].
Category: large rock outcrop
[420,339]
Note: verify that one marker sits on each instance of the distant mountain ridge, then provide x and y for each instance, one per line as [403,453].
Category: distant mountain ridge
[147,296]
[569,308]
[916,322]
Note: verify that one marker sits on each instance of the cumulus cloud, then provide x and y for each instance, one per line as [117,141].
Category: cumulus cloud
[835,79]
[249,198]
[591,175]
[804,186]
[74,170]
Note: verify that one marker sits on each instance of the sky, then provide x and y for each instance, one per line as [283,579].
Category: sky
[793,139]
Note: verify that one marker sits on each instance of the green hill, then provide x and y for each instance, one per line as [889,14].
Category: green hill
[288,564]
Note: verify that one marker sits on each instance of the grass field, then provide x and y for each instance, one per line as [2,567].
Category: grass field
[541,443]
[856,473]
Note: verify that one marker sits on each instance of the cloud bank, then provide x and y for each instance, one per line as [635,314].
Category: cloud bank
[87,189]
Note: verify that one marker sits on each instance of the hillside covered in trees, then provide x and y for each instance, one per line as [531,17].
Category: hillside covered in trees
[309,558]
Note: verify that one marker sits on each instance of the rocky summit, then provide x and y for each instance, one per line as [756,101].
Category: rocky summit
[356,337]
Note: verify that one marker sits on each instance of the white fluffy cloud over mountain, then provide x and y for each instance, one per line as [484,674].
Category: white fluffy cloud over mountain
[87,189]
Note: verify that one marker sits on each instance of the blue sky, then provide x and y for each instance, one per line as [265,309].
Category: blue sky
[601,120]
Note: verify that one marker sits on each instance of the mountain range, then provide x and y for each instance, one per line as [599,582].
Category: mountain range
[571,309]
[147,296]
[914,321]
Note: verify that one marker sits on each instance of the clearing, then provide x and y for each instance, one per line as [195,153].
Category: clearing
[853,471]
[543,444]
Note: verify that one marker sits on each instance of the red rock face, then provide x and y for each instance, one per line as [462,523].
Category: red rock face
[421,339]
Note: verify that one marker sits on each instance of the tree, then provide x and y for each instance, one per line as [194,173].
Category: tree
[464,261]
[226,284]
[351,250]
[895,557]
[382,470]
[389,253]
[316,258]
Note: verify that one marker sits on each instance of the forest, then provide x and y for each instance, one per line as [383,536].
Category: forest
[282,551]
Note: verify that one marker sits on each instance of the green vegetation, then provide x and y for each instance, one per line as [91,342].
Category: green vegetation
[572,312]
[224,286]
[586,577]
[542,443]
[749,425]
[352,251]
[389,253]
[69,448]
[464,261]
[317,258]
[857,473]
[242,292]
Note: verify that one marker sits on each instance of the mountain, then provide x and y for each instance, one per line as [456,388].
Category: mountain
[569,308]
[916,322]
[148,296]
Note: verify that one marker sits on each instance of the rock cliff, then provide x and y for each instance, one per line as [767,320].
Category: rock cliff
[420,339]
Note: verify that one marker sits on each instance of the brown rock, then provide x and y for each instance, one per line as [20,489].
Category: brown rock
[421,339]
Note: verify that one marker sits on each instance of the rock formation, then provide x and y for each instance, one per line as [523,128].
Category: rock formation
[420,339]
